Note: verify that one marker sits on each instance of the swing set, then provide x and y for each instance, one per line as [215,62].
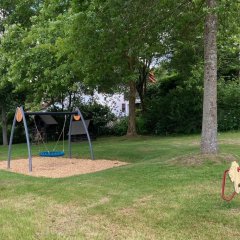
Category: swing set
[52,153]
[20,116]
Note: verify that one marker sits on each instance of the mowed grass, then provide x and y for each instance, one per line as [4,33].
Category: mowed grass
[168,191]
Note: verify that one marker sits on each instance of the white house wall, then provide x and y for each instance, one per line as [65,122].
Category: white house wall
[115,102]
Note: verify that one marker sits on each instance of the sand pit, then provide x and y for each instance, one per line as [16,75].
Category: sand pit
[59,167]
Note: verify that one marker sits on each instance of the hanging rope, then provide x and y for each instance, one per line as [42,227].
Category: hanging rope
[52,153]
[62,133]
[39,134]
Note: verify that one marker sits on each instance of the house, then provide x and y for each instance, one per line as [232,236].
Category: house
[117,102]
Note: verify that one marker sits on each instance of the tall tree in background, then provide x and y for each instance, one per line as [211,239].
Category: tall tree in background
[114,38]
[209,121]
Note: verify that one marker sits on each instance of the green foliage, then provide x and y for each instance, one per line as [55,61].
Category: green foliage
[229,40]
[50,48]
[228,105]
[141,125]
[36,54]
[112,38]
[19,134]
[18,12]
[119,127]
[101,116]
[174,106]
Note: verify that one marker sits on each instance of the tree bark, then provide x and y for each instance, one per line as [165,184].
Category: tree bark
[132,110]
[4,126]
[141,85]
[209,121]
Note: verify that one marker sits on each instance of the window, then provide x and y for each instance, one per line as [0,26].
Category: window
[124,107]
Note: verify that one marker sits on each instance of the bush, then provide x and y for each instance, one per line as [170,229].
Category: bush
[228,105]
[141,125]
[119,127]
[173,107]
[19,133]
[101,116]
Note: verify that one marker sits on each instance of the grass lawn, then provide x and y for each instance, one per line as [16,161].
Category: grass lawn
[167,192]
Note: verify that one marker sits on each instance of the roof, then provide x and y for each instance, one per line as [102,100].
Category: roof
[77,127]
[48,119]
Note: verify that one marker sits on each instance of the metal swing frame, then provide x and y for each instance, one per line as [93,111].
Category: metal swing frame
[23,114]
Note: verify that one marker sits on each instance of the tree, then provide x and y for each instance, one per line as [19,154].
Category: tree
[11,12]
[209,122]
[114,39]
[51,47]
[229,40]
[37,54]
[5,93]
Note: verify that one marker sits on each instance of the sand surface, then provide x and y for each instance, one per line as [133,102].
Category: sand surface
[59,167]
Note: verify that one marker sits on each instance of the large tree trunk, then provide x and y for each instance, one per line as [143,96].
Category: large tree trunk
[4,126]
[209,121]
[132,110]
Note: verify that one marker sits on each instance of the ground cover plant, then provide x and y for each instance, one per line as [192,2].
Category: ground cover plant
[169,191]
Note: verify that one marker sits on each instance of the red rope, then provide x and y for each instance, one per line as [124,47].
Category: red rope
[226,198]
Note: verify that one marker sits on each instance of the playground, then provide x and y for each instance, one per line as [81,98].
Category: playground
[120,120]
[53,164]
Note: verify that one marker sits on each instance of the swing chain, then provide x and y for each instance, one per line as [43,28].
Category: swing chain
[41,138]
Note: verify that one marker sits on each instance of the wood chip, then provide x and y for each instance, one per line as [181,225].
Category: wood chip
[53,167]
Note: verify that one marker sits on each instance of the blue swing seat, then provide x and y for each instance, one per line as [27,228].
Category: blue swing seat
[52,154]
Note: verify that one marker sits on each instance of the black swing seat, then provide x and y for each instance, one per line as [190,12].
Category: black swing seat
[52,154]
